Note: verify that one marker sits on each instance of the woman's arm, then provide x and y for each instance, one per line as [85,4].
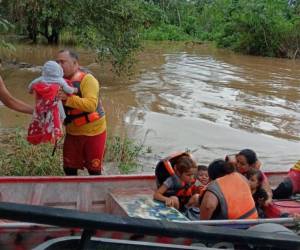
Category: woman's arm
[208,206]
[12,102]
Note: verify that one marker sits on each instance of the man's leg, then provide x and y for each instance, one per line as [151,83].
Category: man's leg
[94,153]
[73,154]
[70,171]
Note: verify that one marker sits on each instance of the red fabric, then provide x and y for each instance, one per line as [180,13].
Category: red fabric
[84,151]
[294,175]
[45,125]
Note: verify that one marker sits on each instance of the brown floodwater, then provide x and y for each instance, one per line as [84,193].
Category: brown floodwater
[188,96]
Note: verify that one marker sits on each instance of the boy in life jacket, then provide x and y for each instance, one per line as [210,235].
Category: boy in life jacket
[176,190]
[46,124]
[290,185]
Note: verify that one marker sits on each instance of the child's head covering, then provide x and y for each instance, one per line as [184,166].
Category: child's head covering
[52,72]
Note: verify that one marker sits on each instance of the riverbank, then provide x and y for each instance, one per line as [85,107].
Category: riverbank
[19,158]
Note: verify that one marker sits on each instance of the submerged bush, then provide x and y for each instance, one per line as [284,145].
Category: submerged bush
[123,152]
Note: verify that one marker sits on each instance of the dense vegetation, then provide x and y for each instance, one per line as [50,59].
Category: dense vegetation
[115,28]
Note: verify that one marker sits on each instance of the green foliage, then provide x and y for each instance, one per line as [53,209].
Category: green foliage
[124,152]
[253,27]
[166,32]
[18,158]
[112,28]
[170,20]
[5,26]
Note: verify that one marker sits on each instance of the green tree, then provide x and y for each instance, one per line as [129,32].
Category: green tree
[110,27]
[4,27]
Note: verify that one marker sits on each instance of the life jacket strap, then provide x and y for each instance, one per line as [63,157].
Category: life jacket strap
[81,119]
[247,214]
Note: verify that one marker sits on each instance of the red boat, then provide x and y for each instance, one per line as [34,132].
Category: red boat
[110,194]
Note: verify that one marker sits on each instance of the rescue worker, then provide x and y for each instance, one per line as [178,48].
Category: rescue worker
[228,195]
[85,119]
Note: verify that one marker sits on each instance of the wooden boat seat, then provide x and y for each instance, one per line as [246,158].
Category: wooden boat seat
[139,203]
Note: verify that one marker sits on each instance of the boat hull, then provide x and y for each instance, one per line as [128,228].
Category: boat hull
[86,194]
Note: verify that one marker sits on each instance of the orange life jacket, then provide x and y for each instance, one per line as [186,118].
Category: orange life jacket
[77,116]
[235,198]
[165,169]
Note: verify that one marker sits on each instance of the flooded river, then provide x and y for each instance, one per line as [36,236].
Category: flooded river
[186,96]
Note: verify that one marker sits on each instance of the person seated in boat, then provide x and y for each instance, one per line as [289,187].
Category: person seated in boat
[202,178]
[222,199]
[177,189]
[46,125]
[255,178]
[290,185]
[245,160]
[192,210]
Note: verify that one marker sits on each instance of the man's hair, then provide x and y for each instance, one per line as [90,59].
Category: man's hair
[219,168]
[72,53]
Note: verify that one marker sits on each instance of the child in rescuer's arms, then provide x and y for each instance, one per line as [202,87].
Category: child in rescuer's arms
[176,190]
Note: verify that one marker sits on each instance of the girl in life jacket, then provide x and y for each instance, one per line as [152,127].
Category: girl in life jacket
[177,189]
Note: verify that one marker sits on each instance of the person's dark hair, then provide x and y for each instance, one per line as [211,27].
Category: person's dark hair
[219,168]
[260,195]
[202,167]
[257,173]
[250,155]
[72,53]
[184,164]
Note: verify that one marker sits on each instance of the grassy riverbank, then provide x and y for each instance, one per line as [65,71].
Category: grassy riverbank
[19,158]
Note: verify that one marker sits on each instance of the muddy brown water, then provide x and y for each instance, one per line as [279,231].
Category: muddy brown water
[188,96]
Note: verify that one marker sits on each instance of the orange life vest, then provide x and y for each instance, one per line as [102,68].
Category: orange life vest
[165,169]
[235,198]
[77,116]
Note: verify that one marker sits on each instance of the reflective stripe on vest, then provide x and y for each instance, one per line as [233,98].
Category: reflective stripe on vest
[76,116]
[233,204]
